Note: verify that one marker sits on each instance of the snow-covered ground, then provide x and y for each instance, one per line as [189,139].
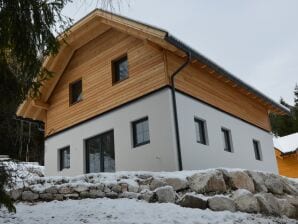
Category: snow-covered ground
[124,211]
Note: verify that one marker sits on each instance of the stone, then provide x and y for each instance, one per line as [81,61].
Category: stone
[112,195]
[245,201]
[97,194]
[287,208]
[221,203]
[274,184]
[130,195]
[29,196]
[190,200]
[52,190]
[240,180]
[133,187]
[46,196]
[71,196]
[289,187]
[85,194]
[117,188]
[58,197]
[144,187]
[268,204]
[177,183]
[208,182]
[156,183]
[65,190]
[16,194]
[165,194]
[124,187]
[146,195]
[80,188]
[259,181]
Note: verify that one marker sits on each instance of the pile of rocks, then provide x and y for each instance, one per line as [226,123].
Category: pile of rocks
[218,189]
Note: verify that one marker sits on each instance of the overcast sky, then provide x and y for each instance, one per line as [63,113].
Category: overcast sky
[256,40]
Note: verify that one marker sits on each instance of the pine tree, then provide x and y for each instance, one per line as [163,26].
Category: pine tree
[4,197]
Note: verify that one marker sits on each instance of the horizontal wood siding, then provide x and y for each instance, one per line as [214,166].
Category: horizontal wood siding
[92,63]
[199,83]
[287,165]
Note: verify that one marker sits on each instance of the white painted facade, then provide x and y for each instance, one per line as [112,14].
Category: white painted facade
[161,153]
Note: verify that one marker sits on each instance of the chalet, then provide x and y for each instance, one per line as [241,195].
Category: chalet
[129,96]
[286,152]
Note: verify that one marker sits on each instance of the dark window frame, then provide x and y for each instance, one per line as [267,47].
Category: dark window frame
[115,69]
[202,125]
[70,87]
[257,149]
[227,138]
[63,166]
[134,132]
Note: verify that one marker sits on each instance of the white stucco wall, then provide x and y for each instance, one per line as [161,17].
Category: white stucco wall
[159,154]
[199,156]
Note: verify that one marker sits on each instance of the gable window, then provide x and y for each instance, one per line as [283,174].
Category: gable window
[120,69]
[75,92]
[64,155]
[201,131]
[257,149]
[227,139]
[140,129]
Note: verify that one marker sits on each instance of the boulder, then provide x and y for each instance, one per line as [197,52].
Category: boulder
[96,193]
[245,201]
[212,181]
[85,194]
[111,195]
[289,187]
[287,209]
[58,197]
[65,190]
[259,180]
[80,188]
[165,194]
[29,196]
[268,204]
[52,190]
[177,183]
[146,195]
[71,196]
[190,200]
[156,183]
[240,180]
[133,187]
[16,194]
[221,203]
[274,184]
[46,196]
[116,188]
[130,195]
[124,187]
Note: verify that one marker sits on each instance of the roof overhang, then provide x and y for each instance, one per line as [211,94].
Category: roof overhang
[96,23]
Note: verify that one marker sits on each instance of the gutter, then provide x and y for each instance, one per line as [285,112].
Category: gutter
[176,123]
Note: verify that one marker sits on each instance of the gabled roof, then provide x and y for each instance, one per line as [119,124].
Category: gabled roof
[286,144]
[98,22]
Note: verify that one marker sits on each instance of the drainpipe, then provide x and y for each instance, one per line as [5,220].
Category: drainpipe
[175,109]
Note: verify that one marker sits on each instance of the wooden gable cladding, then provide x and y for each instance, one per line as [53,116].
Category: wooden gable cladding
[287,164]
[92,63]
[197,81]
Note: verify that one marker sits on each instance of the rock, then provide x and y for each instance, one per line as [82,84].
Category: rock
[52,190]
[177,183]
[193,201]
[146,195]
[85,194]
[16,194]
[117,188]
[97,194]
[156,183]
[58,197]
[274,184]
[289,187]
[46,196]
[71,196]
[112,195]
[208,182]
[259,180]
[133,187]
[80,188]
[65,190]
[124,187]
[245,201]
[240,180]
[268,204]
[287,209]
[220,203]
[99,187]
[165,194]
[143,187]
[29,196]
[130,195]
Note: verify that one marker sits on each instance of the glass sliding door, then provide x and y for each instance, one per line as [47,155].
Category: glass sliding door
[100,154]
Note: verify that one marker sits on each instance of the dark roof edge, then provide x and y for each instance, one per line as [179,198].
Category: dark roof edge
[182,46]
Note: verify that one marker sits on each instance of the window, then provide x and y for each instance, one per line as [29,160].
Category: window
[120,69]
[140,130]
[227,139]
[201,131]
[257,149]
[75,92]
[64,158]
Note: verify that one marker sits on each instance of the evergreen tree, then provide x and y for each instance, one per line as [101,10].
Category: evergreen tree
[286,124]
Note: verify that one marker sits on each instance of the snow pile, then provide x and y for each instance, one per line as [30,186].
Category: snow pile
[287,143]
[125,211]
